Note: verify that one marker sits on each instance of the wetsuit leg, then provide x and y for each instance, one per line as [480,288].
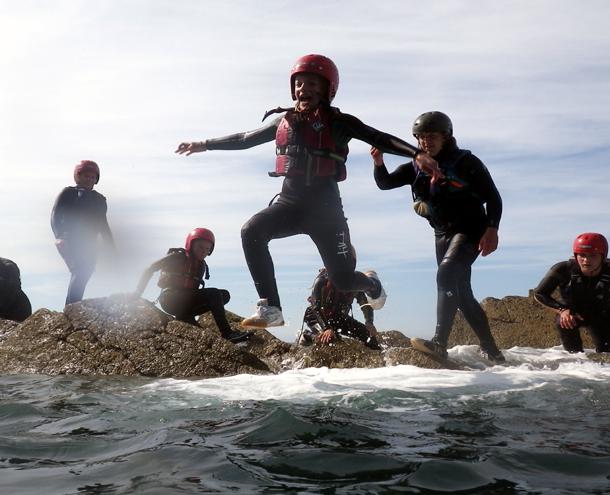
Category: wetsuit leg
[329,231]
[570,338]
[455,256]
[277,221]
[213,300]
[346,325]
[600,334]
[80,259]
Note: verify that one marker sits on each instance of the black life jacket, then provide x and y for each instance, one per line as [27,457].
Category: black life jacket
[305,145]
[582,296]
[183,271]
[423,189]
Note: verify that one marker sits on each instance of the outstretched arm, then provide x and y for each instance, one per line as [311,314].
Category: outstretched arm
[239,141]
[387,143]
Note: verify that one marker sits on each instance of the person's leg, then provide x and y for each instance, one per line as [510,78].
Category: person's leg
[276,221]
[600,334]
[347,325]
[179,303]
[330,233]
[213,300]
[570,338]
[80,260]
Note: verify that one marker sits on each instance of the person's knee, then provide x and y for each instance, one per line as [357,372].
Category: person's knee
[226,296]
[448,274]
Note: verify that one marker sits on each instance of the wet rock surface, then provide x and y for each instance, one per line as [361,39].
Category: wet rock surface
[119,335]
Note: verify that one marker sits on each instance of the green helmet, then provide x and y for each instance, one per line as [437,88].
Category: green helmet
[433,122]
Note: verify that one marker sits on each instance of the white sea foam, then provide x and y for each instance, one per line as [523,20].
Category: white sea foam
[527,369]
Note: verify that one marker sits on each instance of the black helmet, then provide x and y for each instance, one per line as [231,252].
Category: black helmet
[433,122]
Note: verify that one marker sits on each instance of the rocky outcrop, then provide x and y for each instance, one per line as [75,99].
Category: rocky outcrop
[514,321]
[118,335]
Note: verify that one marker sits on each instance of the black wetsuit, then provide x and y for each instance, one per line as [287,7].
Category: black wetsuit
[309,206]
[14,304]
[461,209]
[78,218]
[589,297]
[186,303]
[330,308]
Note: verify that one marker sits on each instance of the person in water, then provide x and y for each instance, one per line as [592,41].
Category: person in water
[78,219]
[311,146]
[328,314]
[584,288]
[184,294]
[464,209]
[14,303]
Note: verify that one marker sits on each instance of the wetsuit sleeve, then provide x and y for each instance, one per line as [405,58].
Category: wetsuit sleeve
[558,275]
[151,270]
[483,185]
[244,140]
[403,175]
[58,214]
[356,129]
[367,311]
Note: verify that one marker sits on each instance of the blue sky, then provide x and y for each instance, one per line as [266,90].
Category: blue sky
[123,82]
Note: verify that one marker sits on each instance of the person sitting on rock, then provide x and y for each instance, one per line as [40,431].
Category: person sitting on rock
[328,315]
[14,304]
[584,287]
[78,218]
[182,273]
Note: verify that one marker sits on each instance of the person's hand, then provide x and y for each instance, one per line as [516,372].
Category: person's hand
[190,148]
[427,164]
[377,156]
[326,337]
[371,329]
[569,320]
[489,241]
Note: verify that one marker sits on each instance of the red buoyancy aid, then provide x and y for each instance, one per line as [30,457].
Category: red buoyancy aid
[335,302]
[182,272]
[305,145]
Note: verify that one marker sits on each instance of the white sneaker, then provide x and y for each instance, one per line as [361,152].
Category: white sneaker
[264,316]
[379,301]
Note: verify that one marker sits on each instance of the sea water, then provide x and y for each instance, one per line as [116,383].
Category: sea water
[539,424]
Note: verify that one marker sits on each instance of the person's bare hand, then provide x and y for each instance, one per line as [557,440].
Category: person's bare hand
[190,148]
[326,337]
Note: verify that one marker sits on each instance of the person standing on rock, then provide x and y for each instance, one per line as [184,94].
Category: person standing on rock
[328,315]
[78,219]
[182,274]
[311,145]
[14,303]
[464,209]
[584,287]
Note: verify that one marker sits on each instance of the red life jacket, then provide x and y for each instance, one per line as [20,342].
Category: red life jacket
[305,145]
[334,301]
[182,272]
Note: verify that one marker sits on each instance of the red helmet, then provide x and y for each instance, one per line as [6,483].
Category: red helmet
[199,233]
[87,166]
[320,65]
[591,243]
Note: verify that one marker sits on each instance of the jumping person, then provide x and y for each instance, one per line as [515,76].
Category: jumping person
[78,219]
[464,209]
[311,146]
[14,304]
[584,286]
[328,315]
[182,273]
